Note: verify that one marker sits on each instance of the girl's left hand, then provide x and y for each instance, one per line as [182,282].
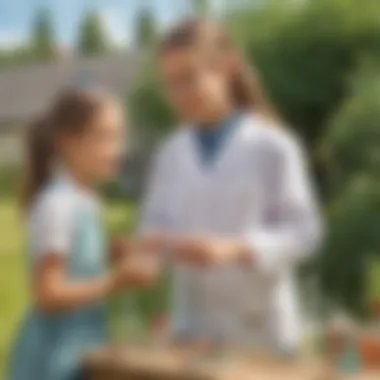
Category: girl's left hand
[209,251]
[137,270]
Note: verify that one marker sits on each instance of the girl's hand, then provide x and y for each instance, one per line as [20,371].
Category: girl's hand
[124,246]
[136,271]
[120,248]
[210,251]
[156,242]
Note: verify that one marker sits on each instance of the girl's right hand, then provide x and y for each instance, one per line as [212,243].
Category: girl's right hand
[156,242]
[120,248]
[136,270]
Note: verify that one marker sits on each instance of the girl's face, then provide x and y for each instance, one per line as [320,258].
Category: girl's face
[197,89]
[96,154]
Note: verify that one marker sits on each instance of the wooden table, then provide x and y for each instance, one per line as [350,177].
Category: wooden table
[182,364]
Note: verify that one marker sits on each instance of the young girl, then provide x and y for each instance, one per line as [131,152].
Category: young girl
[232,185]
[72,147]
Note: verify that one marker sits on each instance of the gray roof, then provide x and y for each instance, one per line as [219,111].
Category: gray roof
[26,90]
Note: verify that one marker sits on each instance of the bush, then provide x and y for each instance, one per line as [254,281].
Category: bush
[352,241]
[351,150]
[352,142]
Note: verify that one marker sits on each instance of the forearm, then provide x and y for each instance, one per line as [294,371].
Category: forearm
[272,249]
[67,295]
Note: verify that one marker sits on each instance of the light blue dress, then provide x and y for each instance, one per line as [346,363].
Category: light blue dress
[50,346]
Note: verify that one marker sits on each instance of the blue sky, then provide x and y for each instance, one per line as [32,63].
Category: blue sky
[118,17]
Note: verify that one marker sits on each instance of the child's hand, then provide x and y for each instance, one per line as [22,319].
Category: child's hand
[123,246]
[137,270]
[209,251]
[120,248]
[156,242]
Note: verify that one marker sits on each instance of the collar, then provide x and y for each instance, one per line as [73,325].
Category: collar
[62,177]
[222,128]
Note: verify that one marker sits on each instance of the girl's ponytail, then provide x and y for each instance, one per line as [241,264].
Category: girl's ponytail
[39,157]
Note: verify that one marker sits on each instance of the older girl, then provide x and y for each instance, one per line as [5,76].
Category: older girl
[230,194]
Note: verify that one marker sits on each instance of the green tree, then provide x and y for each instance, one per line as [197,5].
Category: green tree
[351,151]
[43,46]
[92,36]
[18,56]
[269,18]
[146,29]
[304,52]
[352,242]
[149,109]
[201,7]
[351,145]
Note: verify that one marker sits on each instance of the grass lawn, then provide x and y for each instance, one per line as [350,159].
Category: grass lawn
[13,264]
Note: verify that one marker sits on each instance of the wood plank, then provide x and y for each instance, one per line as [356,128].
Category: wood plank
[187,363]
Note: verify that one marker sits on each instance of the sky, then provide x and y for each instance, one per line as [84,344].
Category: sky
[117,15]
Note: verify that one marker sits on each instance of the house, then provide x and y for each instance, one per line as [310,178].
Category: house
[24,91]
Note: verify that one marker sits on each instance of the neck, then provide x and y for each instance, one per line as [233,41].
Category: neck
[215,117]
[79,177]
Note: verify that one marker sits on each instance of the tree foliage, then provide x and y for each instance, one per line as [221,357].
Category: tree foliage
[353,240]
[40,47]
[92,36]
[351,149]
[306,62]
[15,57]
[201,7]
[352,142]
[43,45]
[150,111]
[146,30]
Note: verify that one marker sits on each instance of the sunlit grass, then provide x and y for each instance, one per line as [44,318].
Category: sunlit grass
[13,289]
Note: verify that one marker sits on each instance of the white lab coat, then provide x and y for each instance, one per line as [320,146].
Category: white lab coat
[258,190]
